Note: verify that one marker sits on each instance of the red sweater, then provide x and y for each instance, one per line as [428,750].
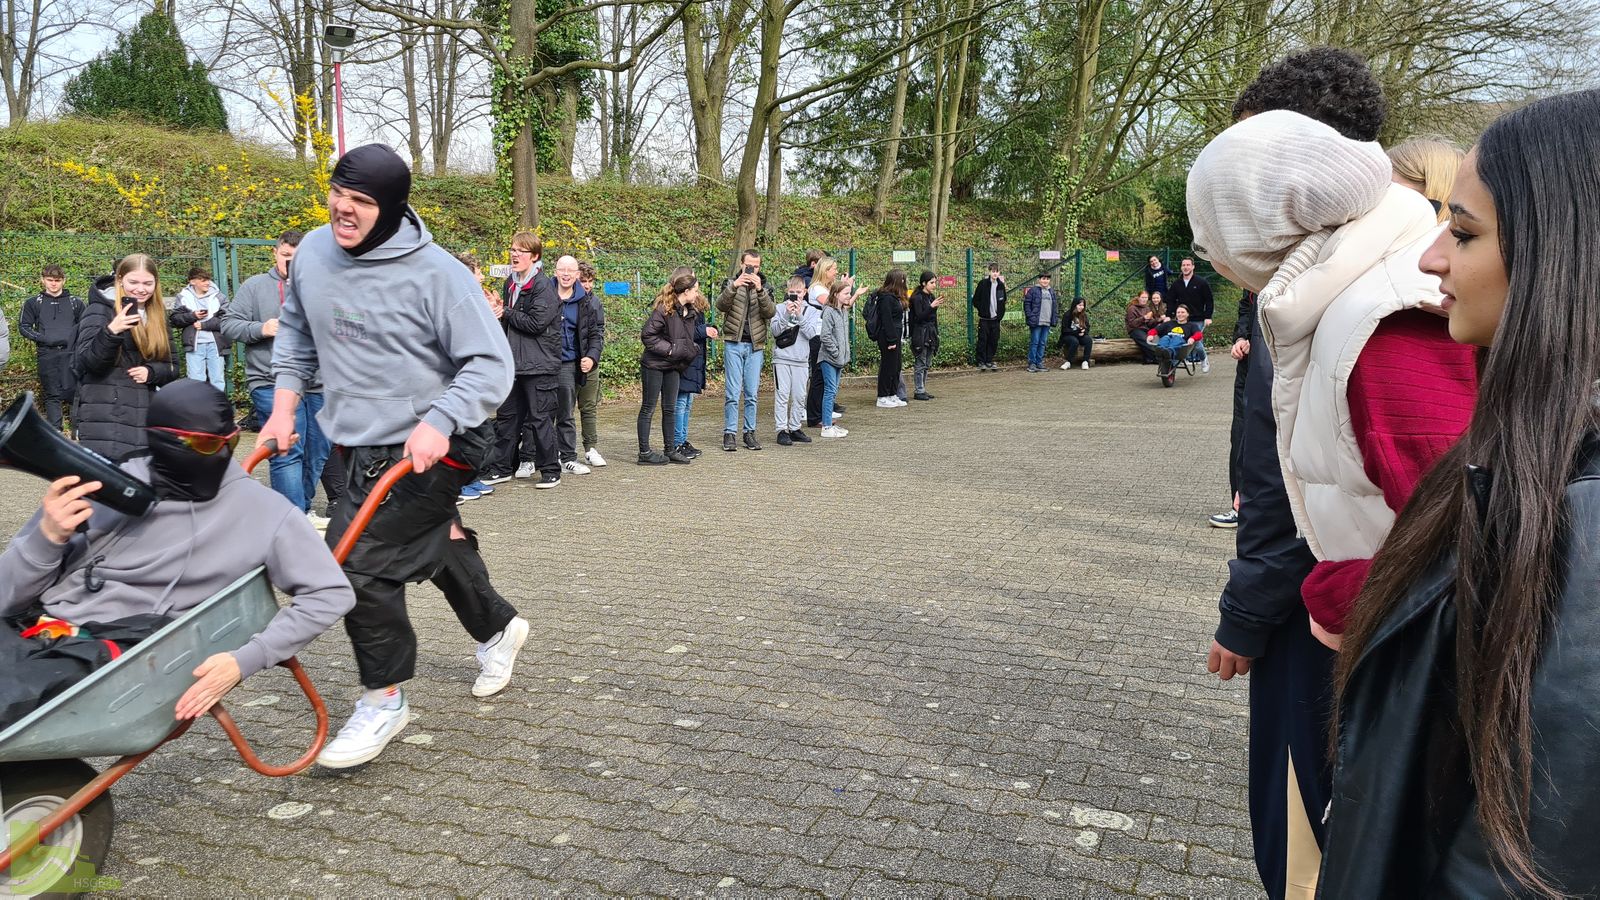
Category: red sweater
[1411,394]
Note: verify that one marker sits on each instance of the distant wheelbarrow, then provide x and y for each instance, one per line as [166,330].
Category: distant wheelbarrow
[57,808]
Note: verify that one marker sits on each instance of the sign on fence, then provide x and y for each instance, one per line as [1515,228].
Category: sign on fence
[905,256]
[1049,254]
[618,288]
[947,281]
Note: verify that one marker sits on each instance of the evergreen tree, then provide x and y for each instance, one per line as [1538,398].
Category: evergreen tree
[148,74]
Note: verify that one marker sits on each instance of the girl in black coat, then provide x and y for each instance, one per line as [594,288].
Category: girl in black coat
[924,309]
[669,347]
[891,301]
[124,352]
[1075,336]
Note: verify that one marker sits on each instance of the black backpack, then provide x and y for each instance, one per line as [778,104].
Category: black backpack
[870,313]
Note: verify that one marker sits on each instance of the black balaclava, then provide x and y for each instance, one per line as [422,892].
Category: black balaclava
[176,472]
[380,173]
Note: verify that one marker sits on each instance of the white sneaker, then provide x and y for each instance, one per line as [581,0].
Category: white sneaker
[837,415]
[594,457]
[1066,366]
[369,730]
[575,468]
[899,402]
[1205,367]
[496,658]
[834,431]
[320,523]
[887,403]
[527,470]
[1086,365]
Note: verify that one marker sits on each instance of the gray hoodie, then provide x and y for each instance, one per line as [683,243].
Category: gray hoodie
[258,300]
[799,352]
[835,337]
[401,334]
[177,556]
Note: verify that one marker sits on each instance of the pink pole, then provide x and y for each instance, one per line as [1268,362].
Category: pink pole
[338,102]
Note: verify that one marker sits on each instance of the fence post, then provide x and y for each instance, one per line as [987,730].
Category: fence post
[972,337]
[1077,274]
[851,264]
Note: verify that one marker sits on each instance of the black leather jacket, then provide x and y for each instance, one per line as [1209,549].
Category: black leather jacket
[1403,821]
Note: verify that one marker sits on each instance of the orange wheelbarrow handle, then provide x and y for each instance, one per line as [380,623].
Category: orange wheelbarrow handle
[363,517]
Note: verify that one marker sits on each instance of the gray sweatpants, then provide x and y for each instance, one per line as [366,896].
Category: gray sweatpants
[790,408]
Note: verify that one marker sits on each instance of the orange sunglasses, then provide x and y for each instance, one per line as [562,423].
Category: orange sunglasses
[201,442]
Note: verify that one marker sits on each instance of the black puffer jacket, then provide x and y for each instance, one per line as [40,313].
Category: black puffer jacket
[669,340]
[1404,815]
[111,407]
[532,320]
[924,323]
[891,318]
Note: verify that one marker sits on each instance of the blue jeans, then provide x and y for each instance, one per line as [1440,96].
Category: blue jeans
[1038,337]
[205,364]
[680,429]
[295,474]
[1173,344]
[830,391]
[741,374]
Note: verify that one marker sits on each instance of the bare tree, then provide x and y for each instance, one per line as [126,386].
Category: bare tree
[897,119]
[35,48]
[712,33]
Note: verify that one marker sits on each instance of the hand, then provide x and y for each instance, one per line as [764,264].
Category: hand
[280,428]
[426,446]
[499,310]
[1241,349]
[269,328]
[711,332]
[936,301]
[1328,638]
[1225,663]
[218,674]
[122,322]
[139,374]
[891,346]
[65,508]
[201,313]
[586,365]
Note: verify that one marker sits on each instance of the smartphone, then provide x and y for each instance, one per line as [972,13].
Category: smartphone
[501,271]
[749,270]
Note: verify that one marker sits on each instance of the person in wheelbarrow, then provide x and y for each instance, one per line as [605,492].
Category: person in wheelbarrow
[413,363]
[81,583]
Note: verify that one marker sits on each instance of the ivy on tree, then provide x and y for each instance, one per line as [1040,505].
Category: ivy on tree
[148,74]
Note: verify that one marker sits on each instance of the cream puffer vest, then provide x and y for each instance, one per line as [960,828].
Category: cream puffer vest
[1316,314]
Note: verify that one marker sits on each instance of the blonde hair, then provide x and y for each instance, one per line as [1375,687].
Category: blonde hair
[825,264]
[153,336]
[1430,163]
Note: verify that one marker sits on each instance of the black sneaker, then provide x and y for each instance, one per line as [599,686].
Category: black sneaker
[838,407]
[922,395]
[729,442]
[784,440]
[652,458]
[800,437]
[547,481]
[689,450]
[750,442]
[677,456]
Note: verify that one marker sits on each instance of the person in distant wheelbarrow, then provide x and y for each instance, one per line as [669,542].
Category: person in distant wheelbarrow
[413,363]
[81,583]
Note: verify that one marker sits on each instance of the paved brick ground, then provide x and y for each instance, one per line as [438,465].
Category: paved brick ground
[958,652]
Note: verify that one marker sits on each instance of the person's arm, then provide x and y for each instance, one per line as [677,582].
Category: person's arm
[239,322]
[780,319]
[830,340]
[1244,326]
[28,322]
[769,303]
[30,565]
[294,352]
[654,335]
[535,315]
[180,316]
[97,346]
[1410,396]
[595,340]
[300,566]
[725,299]
[476,348]
[810,325]
[213,323]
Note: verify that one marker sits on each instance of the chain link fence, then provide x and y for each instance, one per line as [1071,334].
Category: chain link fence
[630,280]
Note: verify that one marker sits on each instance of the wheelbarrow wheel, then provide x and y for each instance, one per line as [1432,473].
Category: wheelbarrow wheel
[68,860]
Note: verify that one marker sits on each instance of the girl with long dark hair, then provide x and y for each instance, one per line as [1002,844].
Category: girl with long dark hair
[669,347]
[890,304]
[1466,722]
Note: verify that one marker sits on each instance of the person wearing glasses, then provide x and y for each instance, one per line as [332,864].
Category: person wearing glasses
[81,583]
[525,426]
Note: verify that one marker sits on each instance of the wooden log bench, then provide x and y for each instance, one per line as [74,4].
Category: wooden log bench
[1116,350]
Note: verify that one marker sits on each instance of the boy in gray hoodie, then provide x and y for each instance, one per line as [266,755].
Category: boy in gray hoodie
[412,364]
[791,365]
[122,578]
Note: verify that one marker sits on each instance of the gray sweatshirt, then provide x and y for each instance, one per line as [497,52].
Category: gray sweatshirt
[258,300]
[178,555]
[799,352]
[835,337]
[401,334]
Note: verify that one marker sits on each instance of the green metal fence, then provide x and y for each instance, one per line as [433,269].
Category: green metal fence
[1106,279]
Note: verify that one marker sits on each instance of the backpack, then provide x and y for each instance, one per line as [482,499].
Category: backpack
[870,313]
[785,339]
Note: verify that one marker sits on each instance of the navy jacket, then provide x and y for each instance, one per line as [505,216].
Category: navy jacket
[1196,296]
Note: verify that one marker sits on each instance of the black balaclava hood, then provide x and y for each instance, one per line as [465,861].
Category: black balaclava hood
[176,472]
[380,173]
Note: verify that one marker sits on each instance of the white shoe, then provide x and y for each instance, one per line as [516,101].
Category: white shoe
[834,431]
[1205,367]
[527,470]
[900,402]
[1086,365]
[320,523]
[369,730]
[594,457]
[887,403]
[837,415]
[1065,366]
[575,468]
[496,658]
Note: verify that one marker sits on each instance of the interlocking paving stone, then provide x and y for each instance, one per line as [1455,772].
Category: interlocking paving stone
[960,652]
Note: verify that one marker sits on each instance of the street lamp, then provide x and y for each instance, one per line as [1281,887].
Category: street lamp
[338,39]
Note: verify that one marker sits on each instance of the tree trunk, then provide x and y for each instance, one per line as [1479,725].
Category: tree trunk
[931,228]
[769,215]
[707,81]
[773,14]
[408,67]
[524,152]
[1067,174]
[897,119]
[567,133]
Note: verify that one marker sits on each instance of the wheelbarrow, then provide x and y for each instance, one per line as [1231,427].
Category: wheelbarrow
[57,808]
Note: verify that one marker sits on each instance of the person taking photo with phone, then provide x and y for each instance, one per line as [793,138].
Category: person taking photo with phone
[124,352]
